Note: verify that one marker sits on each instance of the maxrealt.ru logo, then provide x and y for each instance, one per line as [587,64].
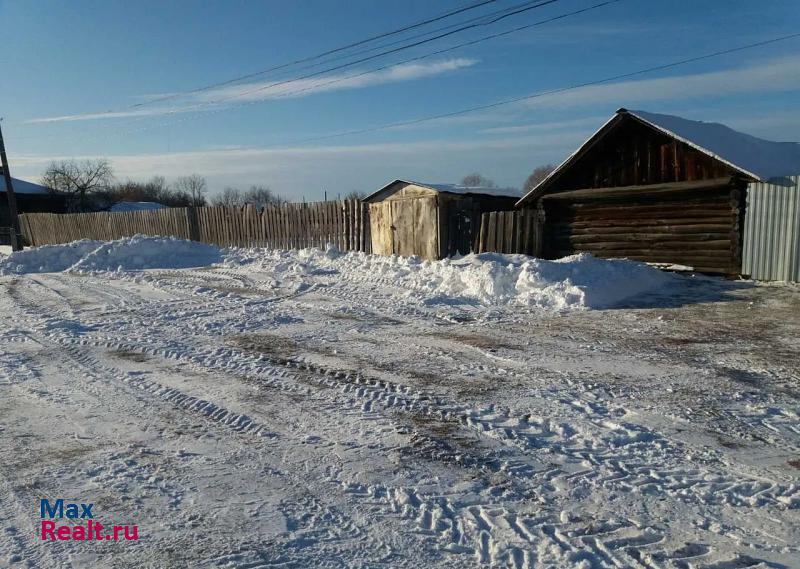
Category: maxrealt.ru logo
[92,530]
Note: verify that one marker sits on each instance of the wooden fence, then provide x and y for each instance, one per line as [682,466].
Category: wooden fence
[344,224]
[517,231]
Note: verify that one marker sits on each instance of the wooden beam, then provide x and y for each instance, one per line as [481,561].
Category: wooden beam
[643,190]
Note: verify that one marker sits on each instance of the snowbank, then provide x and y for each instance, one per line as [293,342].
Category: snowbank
[47,258]
[579,281]
[143,252]
[128,254]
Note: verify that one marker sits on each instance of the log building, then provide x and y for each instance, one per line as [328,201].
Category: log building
[31,198]
[658,188]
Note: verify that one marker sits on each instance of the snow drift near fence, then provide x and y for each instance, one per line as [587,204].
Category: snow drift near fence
[47,258]
[128,254]
[579,281]
[143,252]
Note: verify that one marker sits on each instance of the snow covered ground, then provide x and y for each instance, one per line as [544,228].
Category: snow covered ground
[319,409]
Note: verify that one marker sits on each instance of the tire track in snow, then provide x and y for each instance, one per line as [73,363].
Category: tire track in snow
[17,543]
[97,372]
[85,366]
[492,423]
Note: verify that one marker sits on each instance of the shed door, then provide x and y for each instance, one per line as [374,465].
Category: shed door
[415,226]
[408,226]
[380,224]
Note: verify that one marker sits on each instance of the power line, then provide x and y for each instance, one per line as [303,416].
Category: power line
[484,20]
[480,21]
[520,10]
[418,35]
[482,17]
[553,91]
[384,67]
[317,56]
[549,92]
[455,47]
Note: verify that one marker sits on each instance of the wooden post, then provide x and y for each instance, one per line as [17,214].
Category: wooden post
[676,164]
[16,238]
[539,227]
[194,226]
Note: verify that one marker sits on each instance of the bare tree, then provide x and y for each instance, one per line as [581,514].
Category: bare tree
[229,196]
[539,173]
[78,179]
[261,196]
[476,180]
[157,186]
[194,186]
[154,190]
[355,195]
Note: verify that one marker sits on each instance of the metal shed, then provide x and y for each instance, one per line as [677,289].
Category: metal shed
[772,230]
[432,221]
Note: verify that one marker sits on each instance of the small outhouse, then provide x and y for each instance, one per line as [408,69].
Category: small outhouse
[432,221]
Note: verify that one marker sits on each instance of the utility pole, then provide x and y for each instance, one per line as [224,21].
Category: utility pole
[16,238]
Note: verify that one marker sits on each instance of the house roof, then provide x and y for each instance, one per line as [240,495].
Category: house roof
[449,188]
[23,187]
[762,159]
[753,157]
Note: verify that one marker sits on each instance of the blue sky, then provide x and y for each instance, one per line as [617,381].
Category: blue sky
[65,64]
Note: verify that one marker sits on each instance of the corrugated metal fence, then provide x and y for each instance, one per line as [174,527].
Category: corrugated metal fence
[344,224]
[772,230]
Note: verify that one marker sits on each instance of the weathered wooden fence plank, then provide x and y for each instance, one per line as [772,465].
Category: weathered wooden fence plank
[343,224]
[518,231]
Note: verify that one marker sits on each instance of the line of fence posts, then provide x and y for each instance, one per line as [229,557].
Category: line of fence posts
[344,224]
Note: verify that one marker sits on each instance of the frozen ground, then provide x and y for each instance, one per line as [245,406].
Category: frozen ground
[318,410]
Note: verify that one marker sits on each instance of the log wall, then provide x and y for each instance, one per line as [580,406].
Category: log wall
[693,224]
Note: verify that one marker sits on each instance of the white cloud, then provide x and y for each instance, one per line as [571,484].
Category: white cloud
[215,99]
[594,121]
[155,111]
[359,80]
[782,74]
[303,171]
[220,161]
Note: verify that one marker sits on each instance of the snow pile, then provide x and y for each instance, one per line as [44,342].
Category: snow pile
[47,258]
[579,281]
[144,252]
[586,281]
[128,254]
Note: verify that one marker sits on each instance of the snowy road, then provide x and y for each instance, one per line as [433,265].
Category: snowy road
[243,419]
